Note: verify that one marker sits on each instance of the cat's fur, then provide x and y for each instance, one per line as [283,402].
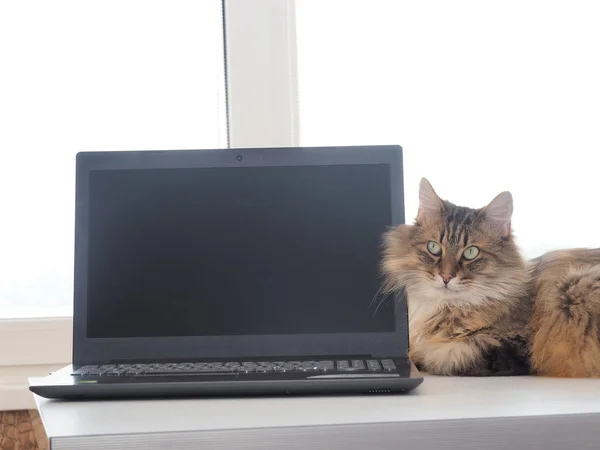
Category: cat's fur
[498,314]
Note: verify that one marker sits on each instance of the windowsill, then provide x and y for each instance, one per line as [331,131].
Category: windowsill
[14,391]
[35,314]
[30,347]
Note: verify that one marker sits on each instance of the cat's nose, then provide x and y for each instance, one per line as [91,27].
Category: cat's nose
[446,277]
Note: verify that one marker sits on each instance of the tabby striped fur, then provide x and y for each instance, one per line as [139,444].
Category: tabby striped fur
[497,314]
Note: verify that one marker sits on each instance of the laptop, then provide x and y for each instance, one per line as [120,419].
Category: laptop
[235,272]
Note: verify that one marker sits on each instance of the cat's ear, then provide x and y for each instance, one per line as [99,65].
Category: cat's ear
[499,212]
[429,202]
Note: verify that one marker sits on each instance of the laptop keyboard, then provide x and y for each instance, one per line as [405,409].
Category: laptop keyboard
[354,365]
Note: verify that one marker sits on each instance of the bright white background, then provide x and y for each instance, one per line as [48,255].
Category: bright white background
[483,96]
[91,75]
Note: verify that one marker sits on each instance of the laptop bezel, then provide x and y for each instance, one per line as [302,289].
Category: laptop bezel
[106,350]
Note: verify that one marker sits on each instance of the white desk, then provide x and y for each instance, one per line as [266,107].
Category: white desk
[443,413]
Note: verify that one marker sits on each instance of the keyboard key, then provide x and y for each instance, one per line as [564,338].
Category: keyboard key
[388,365]
[341,365]
[373,365]
[326,365]
[358,363]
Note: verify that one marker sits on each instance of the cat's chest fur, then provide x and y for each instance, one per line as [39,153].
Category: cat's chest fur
[446,340]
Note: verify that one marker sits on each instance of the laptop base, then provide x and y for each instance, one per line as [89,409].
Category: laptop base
[63,385]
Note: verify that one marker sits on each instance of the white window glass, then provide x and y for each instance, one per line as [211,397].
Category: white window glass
[483,97]
[91,75]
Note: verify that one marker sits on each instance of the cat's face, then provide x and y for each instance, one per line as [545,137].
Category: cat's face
[455,254]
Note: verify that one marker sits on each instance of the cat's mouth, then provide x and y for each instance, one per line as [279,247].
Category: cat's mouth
[452,285]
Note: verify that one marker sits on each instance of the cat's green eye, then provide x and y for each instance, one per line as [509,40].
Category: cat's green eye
[434,248]
[471,253]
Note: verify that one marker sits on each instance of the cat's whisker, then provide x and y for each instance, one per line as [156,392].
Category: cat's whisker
[383,299]
[381,287]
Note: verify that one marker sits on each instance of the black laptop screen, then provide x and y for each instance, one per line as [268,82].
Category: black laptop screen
[237,251]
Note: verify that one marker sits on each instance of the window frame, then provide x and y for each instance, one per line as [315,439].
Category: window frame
[262,111]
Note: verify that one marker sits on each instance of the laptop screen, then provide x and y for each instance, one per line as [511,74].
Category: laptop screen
[237,251]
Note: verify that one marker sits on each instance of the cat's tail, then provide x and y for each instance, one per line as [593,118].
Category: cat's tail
[566,323]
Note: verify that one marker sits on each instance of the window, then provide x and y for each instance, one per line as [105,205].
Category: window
[483,97]
[101,75]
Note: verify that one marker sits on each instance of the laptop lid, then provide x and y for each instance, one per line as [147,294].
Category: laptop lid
[233,253]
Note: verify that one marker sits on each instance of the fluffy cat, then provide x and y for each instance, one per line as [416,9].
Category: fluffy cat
[477,308]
